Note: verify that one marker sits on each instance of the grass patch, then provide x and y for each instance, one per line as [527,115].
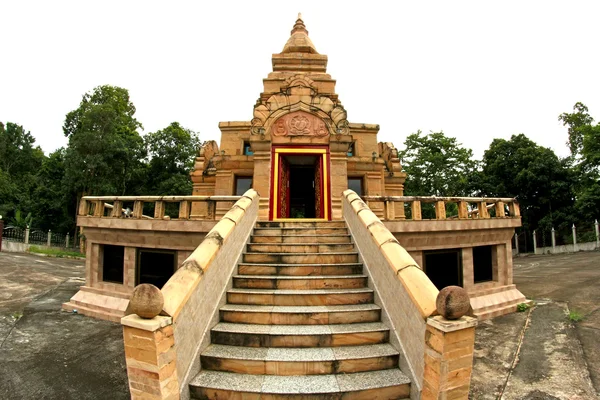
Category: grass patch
[17,315]
[523,307]
[55,252]
[575,316]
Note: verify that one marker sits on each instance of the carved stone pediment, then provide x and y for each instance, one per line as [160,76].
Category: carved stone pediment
[299,124]
[299,94]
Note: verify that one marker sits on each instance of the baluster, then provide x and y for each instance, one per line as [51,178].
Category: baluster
[440,209]
[159,210]
[138,209]
[500,209]
[99,208]
[184,209]
[483,211]
[84,207]
[416,210]
[390,212]
[463,212]
[117,210]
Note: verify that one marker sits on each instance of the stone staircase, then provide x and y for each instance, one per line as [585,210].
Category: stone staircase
[300,322]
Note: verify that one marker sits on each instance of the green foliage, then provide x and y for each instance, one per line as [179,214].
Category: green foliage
[55,252]
[521,307]
[105,150]
[19,163]
[576,122]
[23,222]
[437,165]
[575,316]
[541,182]
[171,153]
[584,142]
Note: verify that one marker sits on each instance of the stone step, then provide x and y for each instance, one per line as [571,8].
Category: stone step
[299,282]
[301,258]
[384,384]
[301,224]
[299,361]
[307,315]
[299,247]
[302,239]
[92,311]
[316,297]
[299,231]
[477,292]
[255,335]
[300,269]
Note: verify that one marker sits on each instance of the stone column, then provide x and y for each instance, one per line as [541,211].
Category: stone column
[597,234]
[150,357]
[574,230]
[261,181]
[49,241]
[553,241]
[448,358]
[517,243]
[27,235]
[67,240]
[534,243]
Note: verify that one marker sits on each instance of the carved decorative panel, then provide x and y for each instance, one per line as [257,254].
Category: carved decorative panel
[299,124]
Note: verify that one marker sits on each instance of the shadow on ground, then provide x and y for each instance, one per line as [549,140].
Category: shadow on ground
[541,354]
[49,354]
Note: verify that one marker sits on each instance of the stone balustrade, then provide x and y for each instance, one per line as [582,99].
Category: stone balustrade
[437,353]
[162,353]
[118,206]
[411,207]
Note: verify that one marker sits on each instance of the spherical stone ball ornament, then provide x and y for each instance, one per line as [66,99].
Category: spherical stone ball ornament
[146,301]
[452,302]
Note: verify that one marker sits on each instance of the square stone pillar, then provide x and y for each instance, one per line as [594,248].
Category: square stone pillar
[448,358]
[150,357]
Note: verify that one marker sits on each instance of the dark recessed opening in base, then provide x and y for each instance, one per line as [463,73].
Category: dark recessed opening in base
[112,263]
[302,191]
[443,267]
[155,266]
[483,270]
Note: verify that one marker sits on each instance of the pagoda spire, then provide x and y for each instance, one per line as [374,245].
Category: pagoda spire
[299,26]
[299,41]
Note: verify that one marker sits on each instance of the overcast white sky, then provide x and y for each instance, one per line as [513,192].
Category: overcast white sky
[476,70]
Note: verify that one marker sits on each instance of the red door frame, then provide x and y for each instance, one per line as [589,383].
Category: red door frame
[324,158]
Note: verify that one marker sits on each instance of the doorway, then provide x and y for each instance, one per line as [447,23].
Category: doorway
[443,267]
[155,266]
[300,184]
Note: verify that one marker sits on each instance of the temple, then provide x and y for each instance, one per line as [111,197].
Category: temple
[303,189]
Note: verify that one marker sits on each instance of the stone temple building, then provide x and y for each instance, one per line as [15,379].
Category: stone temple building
[294,161]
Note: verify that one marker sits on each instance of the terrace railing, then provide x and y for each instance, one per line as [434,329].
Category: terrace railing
[418,208]
[152,207]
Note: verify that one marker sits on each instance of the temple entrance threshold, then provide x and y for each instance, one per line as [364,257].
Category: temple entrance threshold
[300,184]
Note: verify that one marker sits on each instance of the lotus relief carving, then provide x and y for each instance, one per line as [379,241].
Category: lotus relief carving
[299,124]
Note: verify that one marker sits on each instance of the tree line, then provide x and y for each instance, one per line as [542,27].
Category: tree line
[552,192]
[105,155]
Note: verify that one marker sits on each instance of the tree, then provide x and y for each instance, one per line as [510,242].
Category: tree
[20,161]
[576,122]
[105,150]
[541,182]
[584,142]
[54,206]
[171,153]
[437,165]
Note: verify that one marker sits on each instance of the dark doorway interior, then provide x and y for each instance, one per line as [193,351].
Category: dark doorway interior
[483,270]
[155,267]
[112,263]
[302,186]
[443,267]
